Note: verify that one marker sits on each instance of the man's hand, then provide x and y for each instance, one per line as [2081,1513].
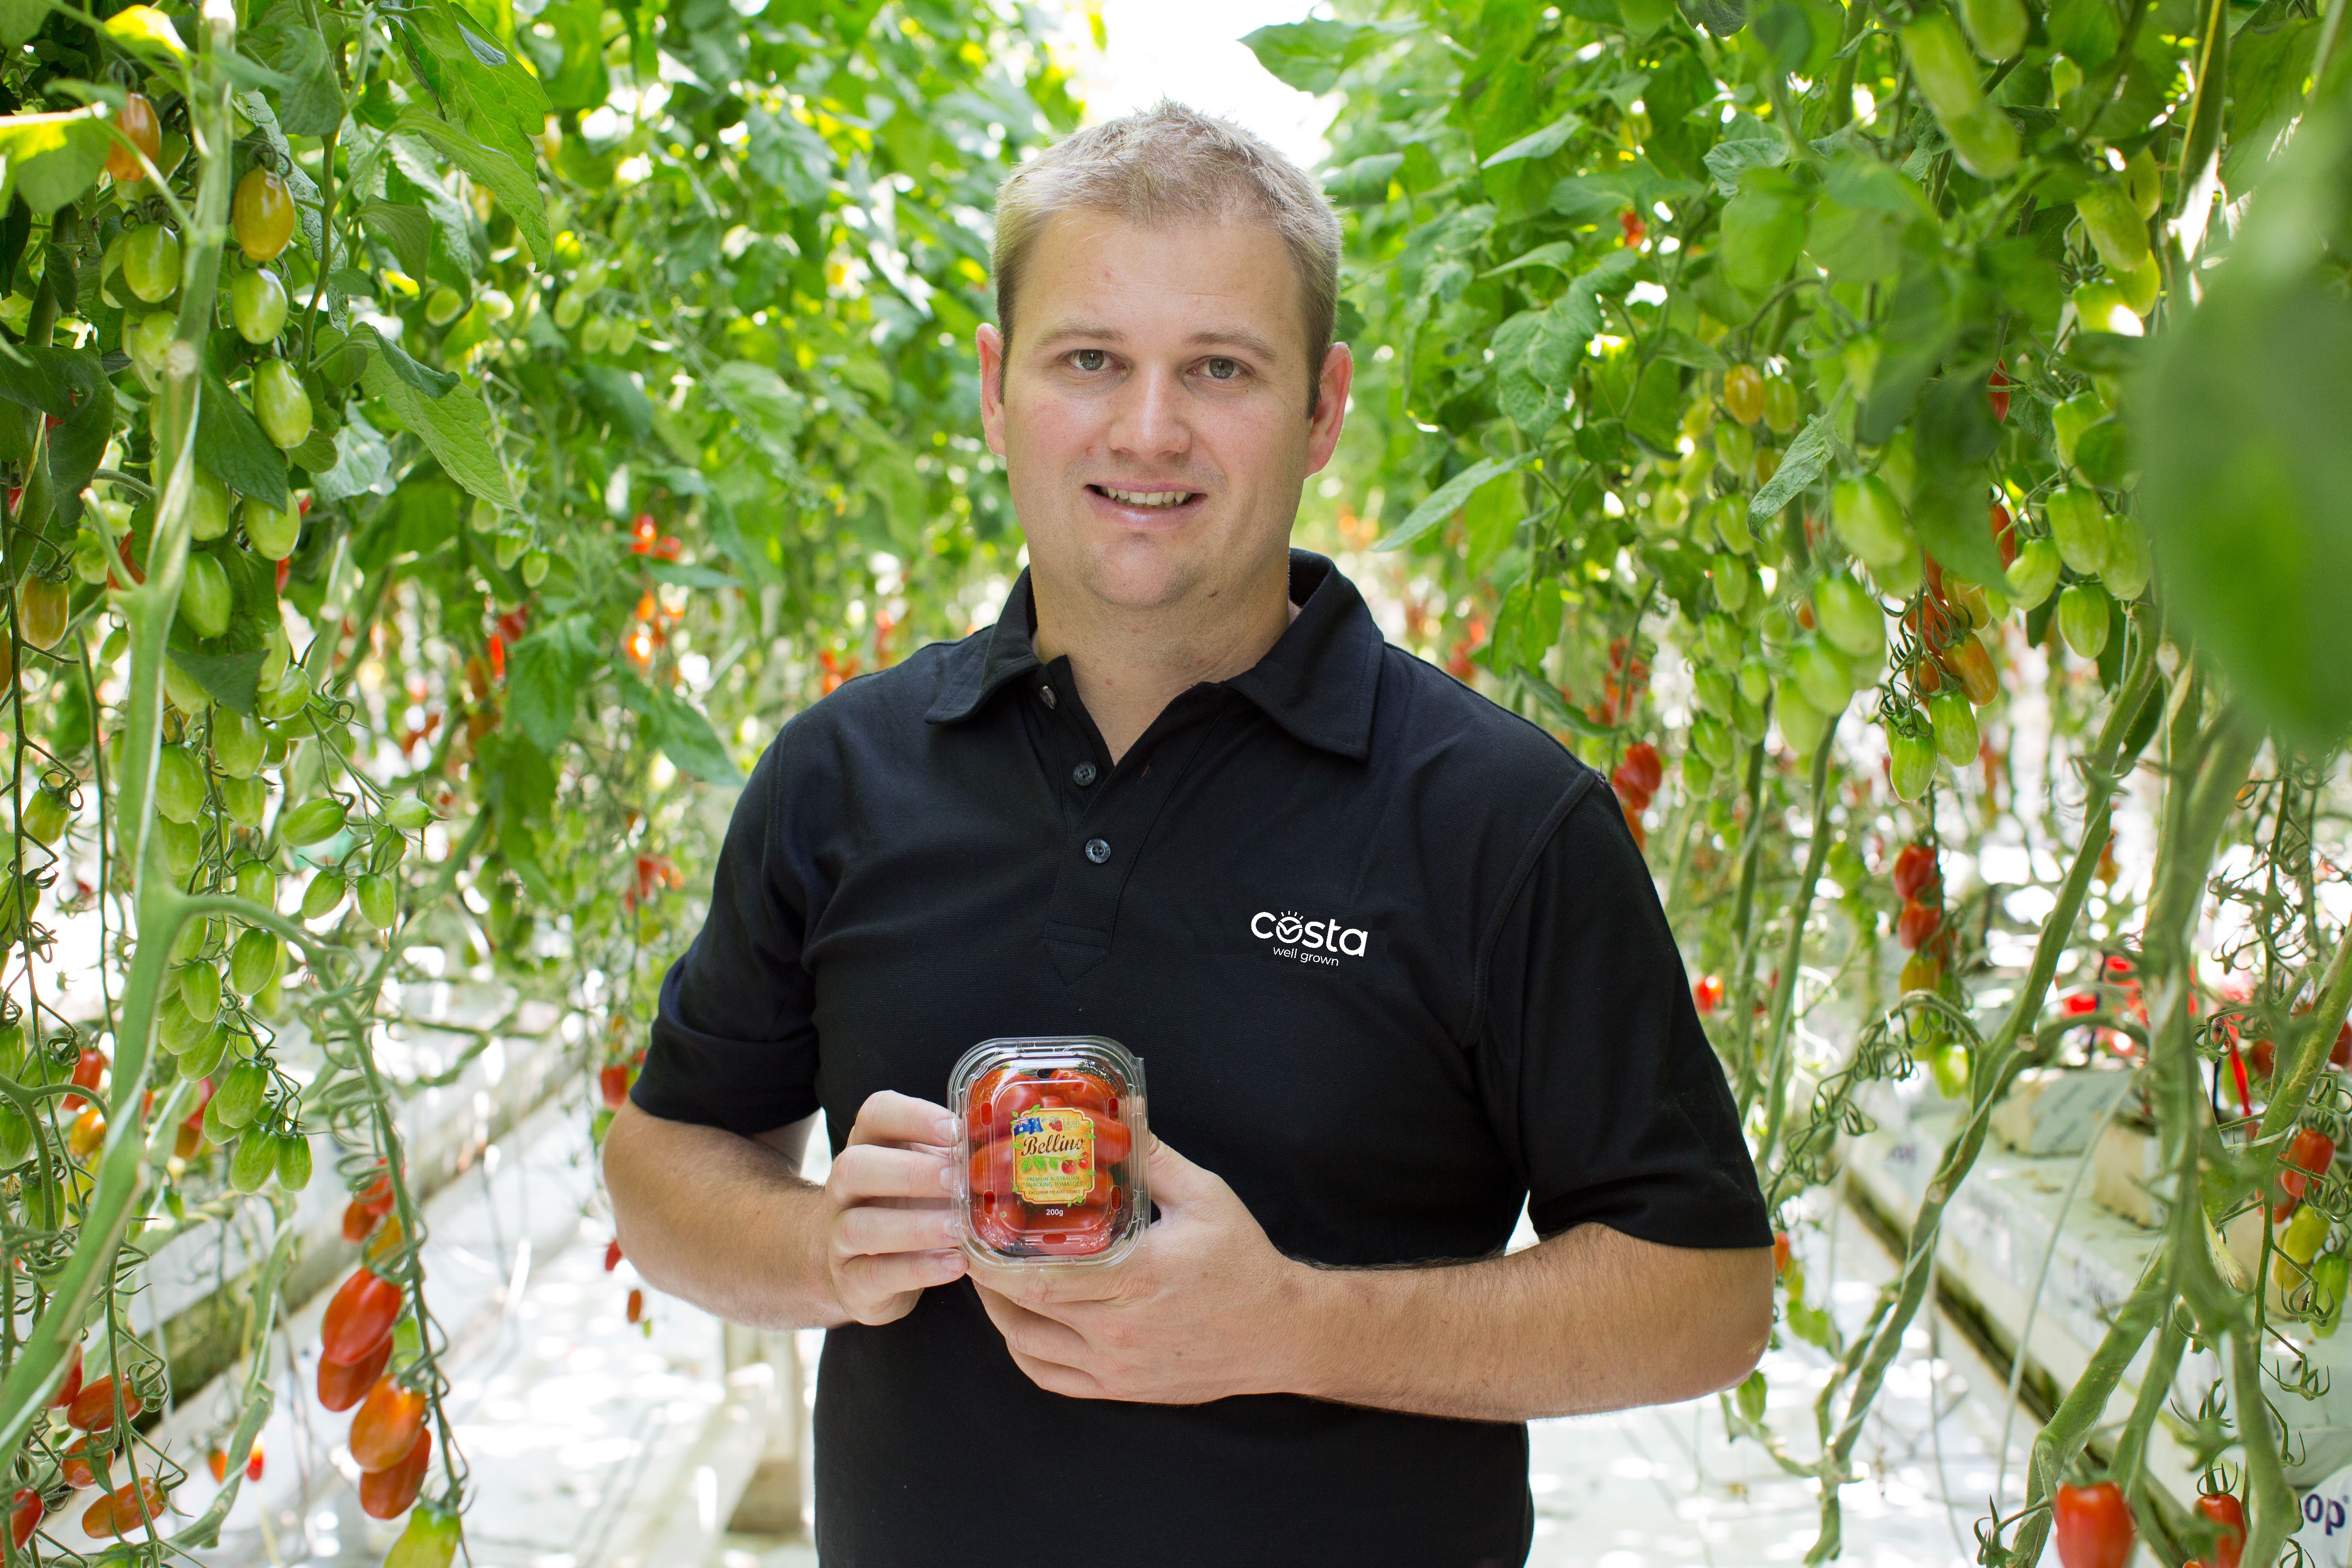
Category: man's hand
[890,1224]
[1204,1308]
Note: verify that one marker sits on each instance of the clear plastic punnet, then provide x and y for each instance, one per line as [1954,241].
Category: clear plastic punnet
[1052,1150]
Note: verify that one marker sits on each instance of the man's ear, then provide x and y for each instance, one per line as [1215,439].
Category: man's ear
[1338,373]
[990,343]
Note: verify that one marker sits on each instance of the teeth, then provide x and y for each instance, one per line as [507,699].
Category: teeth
[1148,498]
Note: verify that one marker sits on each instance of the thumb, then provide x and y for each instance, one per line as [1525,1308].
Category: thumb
[1176,1181]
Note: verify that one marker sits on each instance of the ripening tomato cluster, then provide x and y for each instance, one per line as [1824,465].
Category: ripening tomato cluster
[1635,780]
[838,668]
[390,1441]
[89,1407]
[648,875]
[646,538]
[1919,883]
[1622,688]
[1044,1185]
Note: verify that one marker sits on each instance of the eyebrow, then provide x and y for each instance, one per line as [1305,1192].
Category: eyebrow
[1223,337]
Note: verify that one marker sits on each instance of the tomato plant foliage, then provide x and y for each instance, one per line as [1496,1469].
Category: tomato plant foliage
[1919,421]
[438,440]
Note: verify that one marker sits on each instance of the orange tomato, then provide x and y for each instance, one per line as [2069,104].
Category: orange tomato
[387,1424]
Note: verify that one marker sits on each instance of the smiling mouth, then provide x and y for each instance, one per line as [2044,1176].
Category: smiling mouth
[1147,501]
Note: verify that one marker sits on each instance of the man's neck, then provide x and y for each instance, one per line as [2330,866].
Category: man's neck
[1130,665]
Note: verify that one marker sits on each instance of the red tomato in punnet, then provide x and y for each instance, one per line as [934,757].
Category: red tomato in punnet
[2094,1526]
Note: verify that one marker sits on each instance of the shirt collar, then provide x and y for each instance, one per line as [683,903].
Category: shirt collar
[1317,681]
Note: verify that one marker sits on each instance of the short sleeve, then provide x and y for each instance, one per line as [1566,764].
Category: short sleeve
[734,1042]
[1599,1077]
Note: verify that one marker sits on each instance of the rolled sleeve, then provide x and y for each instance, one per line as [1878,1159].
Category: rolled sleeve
[734,1043]
[1599,1077]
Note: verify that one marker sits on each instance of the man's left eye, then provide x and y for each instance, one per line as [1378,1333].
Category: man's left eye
[1224,369]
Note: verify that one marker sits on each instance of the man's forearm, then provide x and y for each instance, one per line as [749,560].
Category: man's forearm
[722,1221]
[1589,1321]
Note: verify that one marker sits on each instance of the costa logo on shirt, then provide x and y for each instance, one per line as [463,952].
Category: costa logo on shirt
[1308,941]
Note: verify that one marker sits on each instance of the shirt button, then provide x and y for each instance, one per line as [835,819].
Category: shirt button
[1083,775]
[1098,850]
[1046,692]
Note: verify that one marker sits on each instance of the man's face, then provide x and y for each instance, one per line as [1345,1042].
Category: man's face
[1151,409]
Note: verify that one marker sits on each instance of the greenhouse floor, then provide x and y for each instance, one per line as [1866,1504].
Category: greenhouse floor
[595,1444]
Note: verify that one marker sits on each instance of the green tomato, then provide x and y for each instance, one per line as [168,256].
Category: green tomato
[1710,739]
[1869,519]
[568,306]
[255,1161]
[1712,685]
[1911,758]
[245,800]
[444,306]
[2329,1277]
[1802,724]
[179,785]
[624,333]
[294,1162]
[200,990]
[93,562]
[1748,719]
[508,550]
[1956,726]
[256,883]
[534,568]
[208,505]
[1850,617]
[1824,678]
[148,341]
[429,1542]
[2304,1232]
[2072,419]
[2078,523]
[1997,28]
[255,962]
[238,744]
[2083,618]
[379,900]
[45,815]
[1755,678]
[1733,585]
[186,694]
[281,404]
[205,600]
[2128,566]
[312,822]
[1719,637]
[2034,572]
[204,1053]
[239,1095]
[409,812]
[1781,407]
[324,896]
[1986,142]
[151,262]
[2140,286]
[2144,183]
[2113,222]
[271,531]
[1940,65]
[257,305]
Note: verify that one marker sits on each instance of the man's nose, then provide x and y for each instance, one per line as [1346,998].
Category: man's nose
[1149,418]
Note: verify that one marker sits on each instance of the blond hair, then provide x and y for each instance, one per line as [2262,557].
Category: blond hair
[1163,165]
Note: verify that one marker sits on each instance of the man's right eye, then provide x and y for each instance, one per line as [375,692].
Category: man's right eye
[1090,359]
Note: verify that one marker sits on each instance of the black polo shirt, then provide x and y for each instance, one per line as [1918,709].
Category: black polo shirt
[1392,963]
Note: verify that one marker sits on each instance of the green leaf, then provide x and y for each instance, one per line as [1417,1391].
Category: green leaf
[510,180]
[31,380]
[479,83]
[1540,143]
[616,393]
[1441,501]
[771,412]
[229,678]
[1800,465]
[686,576]
[1560,253]
[230,443]
[1365,182]
[2084,31]
[788,155]
[310,103]
[20,19]
[1310,56]
[1727,160]
[545,674]
[404,229]
[455,428]
[1763,228]
[51,159]
[362,461]
[679,731]
[1680,348]
[424,378]
[1720,18]
[2268,67]
[1490,518]
[1534,684]
[78,443]
[144,30]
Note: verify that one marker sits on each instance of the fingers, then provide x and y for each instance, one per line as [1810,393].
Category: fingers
[875,1283]
[889,1117]
[1055,1378]
[870,1229]
[1030,1334]
[869,1170]
[1176,1181]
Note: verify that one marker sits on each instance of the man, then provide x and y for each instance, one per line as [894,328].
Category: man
[1120,811]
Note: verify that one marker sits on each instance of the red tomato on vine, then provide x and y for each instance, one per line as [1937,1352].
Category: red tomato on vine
[2225,1511]
[1635,229]
[2094,1526]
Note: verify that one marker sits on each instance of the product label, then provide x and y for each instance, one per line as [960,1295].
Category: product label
[1053,1156]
